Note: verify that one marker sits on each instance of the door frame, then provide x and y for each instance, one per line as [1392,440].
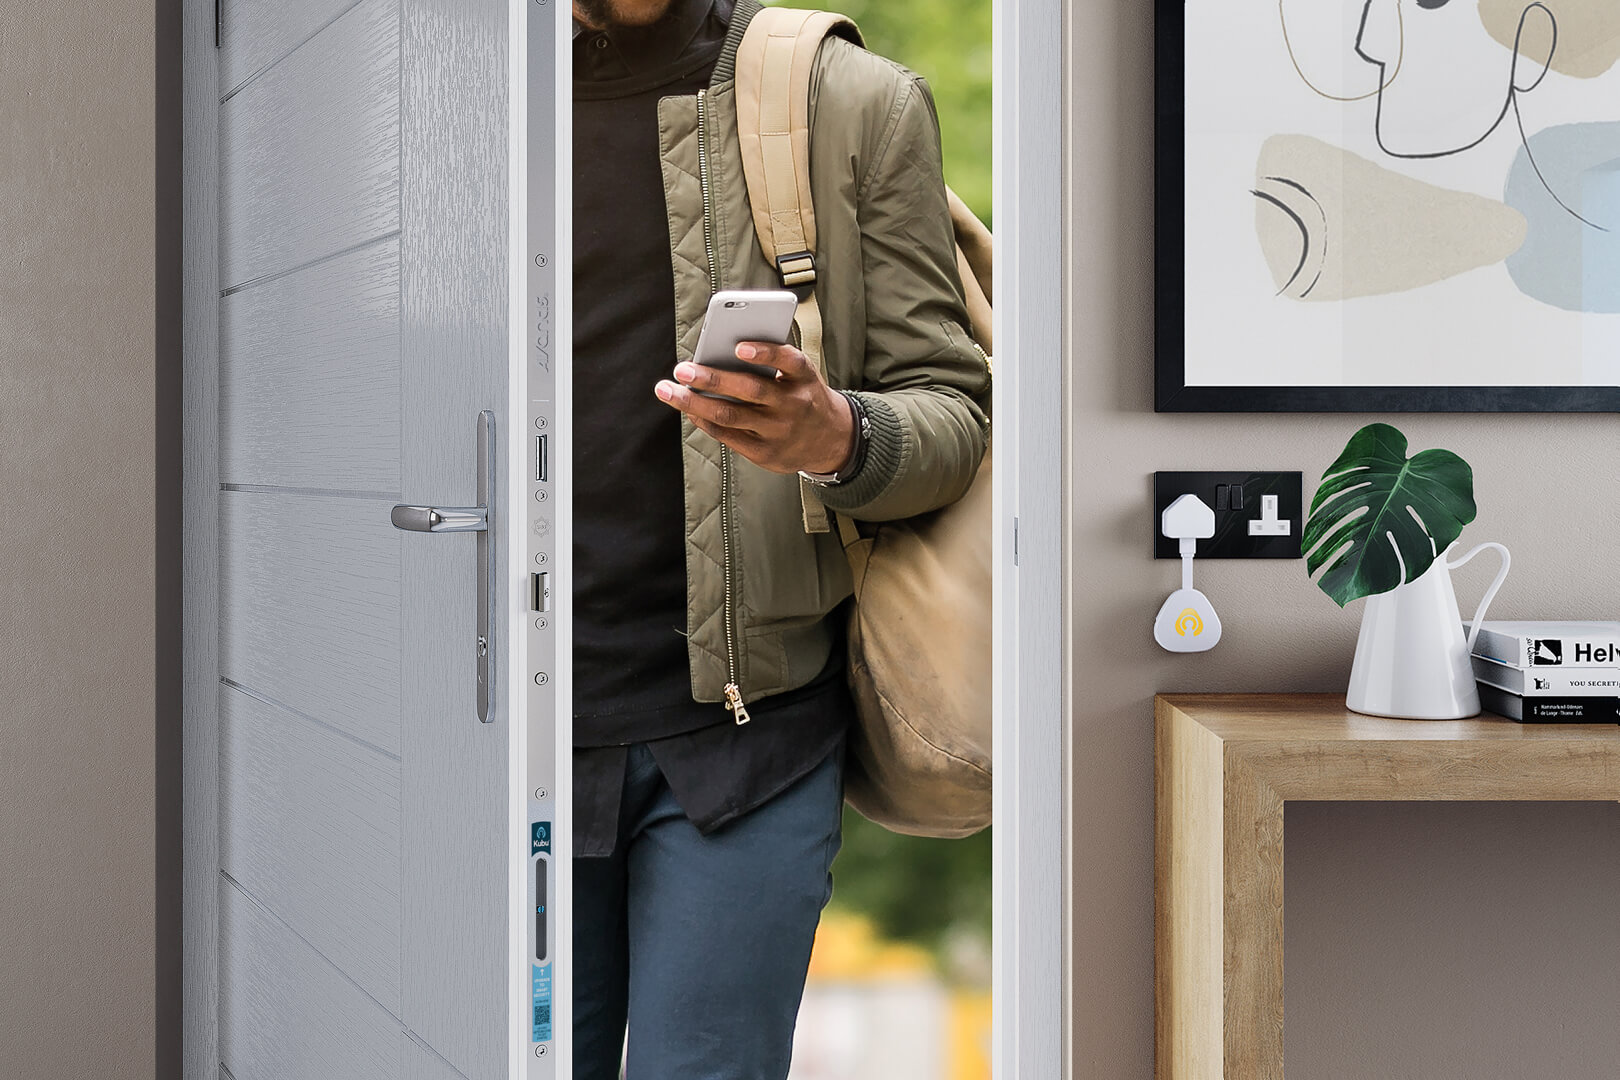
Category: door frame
[1033,693]
[200,737]
[1030,865]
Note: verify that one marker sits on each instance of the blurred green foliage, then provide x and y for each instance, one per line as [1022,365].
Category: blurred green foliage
[917,889]
[913,888]
[947,42]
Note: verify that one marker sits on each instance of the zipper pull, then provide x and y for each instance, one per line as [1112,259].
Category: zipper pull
[985,357]
[734,702]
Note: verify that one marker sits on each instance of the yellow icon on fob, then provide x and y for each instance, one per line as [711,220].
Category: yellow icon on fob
[1189,622]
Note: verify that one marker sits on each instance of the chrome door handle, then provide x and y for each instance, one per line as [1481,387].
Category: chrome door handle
[473,519]
[441,518]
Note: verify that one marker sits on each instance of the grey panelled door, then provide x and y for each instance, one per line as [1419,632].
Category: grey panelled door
[363,830]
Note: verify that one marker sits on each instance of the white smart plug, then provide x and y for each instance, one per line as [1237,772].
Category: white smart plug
[1187,621]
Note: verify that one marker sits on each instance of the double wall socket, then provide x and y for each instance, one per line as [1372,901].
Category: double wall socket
[1246,527]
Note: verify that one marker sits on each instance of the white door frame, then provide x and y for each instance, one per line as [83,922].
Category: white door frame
[1031,468]
[1031,482]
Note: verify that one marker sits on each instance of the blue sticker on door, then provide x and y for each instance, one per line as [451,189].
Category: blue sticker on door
[542,1003]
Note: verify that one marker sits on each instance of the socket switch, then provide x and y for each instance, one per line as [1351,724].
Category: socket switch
[1258,515]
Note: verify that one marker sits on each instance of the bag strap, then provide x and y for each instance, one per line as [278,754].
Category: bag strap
[974,256]
[774,64]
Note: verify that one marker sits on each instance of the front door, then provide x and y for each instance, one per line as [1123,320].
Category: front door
[365,837]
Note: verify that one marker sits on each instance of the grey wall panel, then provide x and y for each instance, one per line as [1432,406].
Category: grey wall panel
[286,1013]
[454,358]
[310,151]
[421,1063]
[309,376]
[309,823]
[330,646]
[258,33]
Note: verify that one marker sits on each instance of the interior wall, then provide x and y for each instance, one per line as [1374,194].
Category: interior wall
[88,953]
[1443,942]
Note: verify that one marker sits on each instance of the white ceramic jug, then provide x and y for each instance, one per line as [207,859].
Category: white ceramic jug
[1411,659]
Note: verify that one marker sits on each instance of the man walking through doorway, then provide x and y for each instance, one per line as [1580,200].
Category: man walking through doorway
[710,696]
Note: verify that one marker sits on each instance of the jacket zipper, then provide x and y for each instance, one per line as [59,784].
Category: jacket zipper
[734,701]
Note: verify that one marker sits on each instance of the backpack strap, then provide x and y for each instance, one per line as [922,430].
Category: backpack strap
[774,64]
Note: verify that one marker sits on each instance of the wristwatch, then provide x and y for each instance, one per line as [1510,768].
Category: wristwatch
[859,436]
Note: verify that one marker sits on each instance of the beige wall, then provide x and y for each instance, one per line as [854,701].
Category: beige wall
[85,956]
[1430,942]
[1435,942]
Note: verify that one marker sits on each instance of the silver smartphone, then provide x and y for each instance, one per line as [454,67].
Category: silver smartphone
[738,315]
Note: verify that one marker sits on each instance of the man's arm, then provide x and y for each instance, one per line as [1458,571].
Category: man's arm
[925,384]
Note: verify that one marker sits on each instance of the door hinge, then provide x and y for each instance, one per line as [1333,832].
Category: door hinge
[219,19]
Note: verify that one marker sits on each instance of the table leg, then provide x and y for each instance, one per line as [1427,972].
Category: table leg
[1187,900]
[1252,916]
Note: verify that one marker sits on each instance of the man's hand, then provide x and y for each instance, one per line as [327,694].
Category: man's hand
[794,421]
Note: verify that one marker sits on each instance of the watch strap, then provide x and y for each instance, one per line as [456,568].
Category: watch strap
[860,435]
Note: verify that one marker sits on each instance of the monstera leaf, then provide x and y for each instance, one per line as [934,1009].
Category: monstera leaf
[1375,501]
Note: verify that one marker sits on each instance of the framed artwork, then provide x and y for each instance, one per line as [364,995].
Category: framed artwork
[1388,205]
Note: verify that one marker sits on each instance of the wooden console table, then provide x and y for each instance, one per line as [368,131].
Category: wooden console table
[1225,766]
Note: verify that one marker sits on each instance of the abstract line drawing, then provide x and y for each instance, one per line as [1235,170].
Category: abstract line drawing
[1459,76]
[1330,54]
[1561,263]
[1381,204]
[1590,34]
[1279,191]
[1390,233]
[1459,87]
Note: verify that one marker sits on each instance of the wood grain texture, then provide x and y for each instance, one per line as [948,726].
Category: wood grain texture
[1226,766]
[309,824]
[200,557]
[1280,718]
[1188,962]
[309,152]
[454,301]
[309,376]
[1309,746]
[1252,934]
[310,608]
[286,1013]
[255,34]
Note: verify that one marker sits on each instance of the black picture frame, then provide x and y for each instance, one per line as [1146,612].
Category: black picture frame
[1171,392]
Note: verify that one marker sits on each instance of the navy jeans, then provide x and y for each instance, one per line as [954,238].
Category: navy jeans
[701,942]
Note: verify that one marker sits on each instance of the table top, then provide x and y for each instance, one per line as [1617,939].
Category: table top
[1281,718]
[1309,746]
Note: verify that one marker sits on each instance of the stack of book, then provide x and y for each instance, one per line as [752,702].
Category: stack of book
[1549,672]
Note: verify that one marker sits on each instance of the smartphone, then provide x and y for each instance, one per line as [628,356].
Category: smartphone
[738,315]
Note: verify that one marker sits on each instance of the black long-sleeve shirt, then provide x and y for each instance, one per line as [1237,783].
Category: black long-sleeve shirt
[631,676]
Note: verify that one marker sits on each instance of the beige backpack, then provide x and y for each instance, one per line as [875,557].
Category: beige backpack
[920,634]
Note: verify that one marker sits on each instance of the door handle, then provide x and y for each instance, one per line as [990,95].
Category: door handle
[441,518]
[473,519]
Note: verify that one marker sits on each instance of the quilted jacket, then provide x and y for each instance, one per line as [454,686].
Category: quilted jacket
[895,332]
